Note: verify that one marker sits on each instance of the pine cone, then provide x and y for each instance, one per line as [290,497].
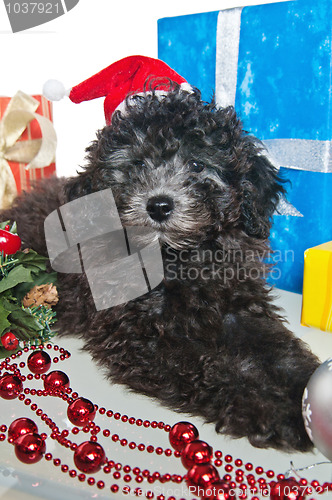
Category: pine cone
[41,295]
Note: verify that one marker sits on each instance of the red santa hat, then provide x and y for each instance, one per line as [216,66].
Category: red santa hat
[129,76]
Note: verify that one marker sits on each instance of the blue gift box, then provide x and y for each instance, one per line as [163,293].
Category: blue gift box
[273,63]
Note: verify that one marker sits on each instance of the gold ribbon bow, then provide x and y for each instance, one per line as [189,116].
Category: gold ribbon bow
[37,153]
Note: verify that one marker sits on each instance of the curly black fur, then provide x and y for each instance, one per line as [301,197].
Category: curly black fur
[213,345]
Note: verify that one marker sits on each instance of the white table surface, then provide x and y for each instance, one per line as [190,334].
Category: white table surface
[19,481]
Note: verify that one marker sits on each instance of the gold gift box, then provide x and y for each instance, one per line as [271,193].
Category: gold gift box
[317,287]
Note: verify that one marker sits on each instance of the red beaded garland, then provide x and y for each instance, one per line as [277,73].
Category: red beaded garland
[246,484]
[30,448]
[181,434]
[39,362]
[9,341]
[81,411]
[196,452]
[10,386]
[56,380]
[89,457]
[21,426]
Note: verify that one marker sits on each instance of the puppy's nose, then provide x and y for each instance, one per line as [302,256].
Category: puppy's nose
[159,207]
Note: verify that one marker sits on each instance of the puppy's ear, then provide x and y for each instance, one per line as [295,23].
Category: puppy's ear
[78,186]
[260,189]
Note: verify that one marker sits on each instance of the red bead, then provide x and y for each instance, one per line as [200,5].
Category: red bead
[181,434]
[21,426]
[220,490]
[89,457]
[9,341]
[196,452]
[10,386]
[39,362]
[9,243]
[200,477]
[30,448]
[287,489]
[56,380]
[81,411]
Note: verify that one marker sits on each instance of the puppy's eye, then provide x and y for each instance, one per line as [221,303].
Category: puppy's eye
[139,163]
[196,166]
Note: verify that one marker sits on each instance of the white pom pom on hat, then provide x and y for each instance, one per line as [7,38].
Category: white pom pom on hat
[129,76]
[54,90]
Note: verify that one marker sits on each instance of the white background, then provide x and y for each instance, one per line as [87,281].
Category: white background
[78,44]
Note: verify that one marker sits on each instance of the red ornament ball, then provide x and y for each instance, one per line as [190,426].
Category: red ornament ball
[10,386]
[181,434]
[39,362]
[9,243]
[287,489]
[56,380]
[200,478]
[89,457]
[9,341]
[81,411]
[196,452]
[30,448]
[220,490]
[20,427]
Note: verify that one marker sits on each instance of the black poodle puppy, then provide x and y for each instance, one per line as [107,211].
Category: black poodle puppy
[208,343]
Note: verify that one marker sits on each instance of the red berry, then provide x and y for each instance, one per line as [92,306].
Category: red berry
[9,341]
[9,243]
